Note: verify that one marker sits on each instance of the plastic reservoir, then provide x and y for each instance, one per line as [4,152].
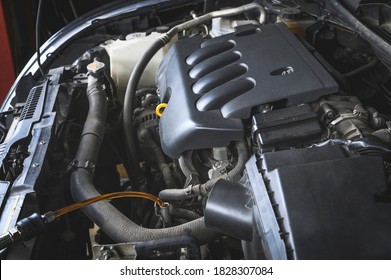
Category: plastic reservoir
[124,54]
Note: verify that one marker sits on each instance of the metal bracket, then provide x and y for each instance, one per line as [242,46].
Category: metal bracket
[88,165]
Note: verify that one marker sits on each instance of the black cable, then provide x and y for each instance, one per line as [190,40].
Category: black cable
[360,145]
[37,25]
[144,91]
[113,88]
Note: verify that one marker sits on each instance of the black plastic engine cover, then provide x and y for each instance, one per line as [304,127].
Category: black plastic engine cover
[212,85]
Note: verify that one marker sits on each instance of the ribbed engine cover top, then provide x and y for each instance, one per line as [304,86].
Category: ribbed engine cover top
[212,85]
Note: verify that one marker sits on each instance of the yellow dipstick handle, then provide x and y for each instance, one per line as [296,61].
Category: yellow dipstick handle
[160,109]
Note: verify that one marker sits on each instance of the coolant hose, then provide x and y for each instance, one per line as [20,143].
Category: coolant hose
[118,226]
[236,172]
[184,214]
[94,126]
[106,216]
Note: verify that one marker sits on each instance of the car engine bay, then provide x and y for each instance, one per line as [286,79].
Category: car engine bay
[251,130]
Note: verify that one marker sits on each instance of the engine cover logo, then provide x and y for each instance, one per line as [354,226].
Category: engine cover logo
[282,71]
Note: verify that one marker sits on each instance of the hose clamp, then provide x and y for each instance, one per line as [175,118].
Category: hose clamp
[75,164]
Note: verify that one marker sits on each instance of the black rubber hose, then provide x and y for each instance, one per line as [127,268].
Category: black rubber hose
[376,41]
[106,216]
[188,168]
[119,227]
[236,172]
[342,80]
[129,104]
[94,126]
[374,61]
[186,164]
[145,136]
[185,214]
[144,91]
[360,144]
[176,194]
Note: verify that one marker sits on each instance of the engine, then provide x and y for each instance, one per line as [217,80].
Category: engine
[224,79]
[247,133]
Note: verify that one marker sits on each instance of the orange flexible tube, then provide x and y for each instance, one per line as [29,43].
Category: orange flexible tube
[108,196]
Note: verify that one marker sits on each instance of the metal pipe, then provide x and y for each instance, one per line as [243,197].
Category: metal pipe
[209,16]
